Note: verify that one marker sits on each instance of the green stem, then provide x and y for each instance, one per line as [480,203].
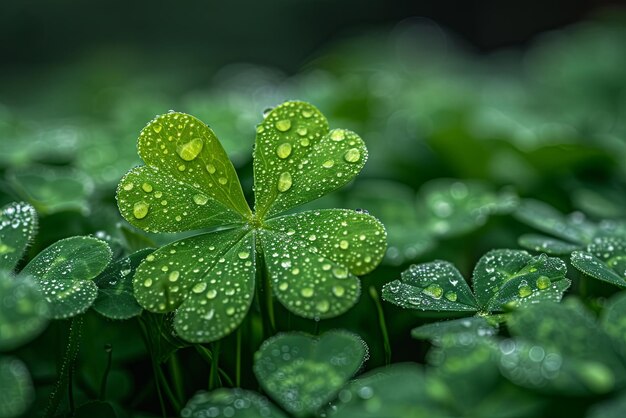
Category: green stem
[146,341]
[168,390]
[214,380]
[382,324]
[66,370]
[208,357]
[108,348]
[177,377]
[238,358]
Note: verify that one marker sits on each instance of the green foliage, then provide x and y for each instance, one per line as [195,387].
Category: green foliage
[230,403]
[302,373]
[189,183]
[604,259]
[17,388]
[65,273]
[501,278]
[115,298]
[18,223]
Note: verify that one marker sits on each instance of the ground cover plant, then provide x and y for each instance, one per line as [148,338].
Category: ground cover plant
[370,237]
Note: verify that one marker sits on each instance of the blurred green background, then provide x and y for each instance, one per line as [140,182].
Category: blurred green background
[466,107]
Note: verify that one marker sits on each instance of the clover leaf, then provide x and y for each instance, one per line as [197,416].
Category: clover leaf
[188,183]
[237,403]
[18,223]
[65,270]
[500,278]
[603,259]
[17,388]
[569,233]
[303,373]
[568,353]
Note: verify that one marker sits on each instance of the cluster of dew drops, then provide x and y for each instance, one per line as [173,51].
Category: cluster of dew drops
[16,216]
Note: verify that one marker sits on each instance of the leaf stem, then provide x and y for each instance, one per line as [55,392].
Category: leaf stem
[382,324]
[67,369]
[146,340]
[177,377]
[108,349]
[238,359]
[214,380]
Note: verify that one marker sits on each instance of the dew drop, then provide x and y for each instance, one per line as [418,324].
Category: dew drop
[305,142]
[210,168]
[283,286]
[140,209]
[157,128]
[211,294]
[199,287]
[222,180]
[302,131]
[434,291]
[158,195]
[283,125]
[147,282]
[339,291]
[230,311]
[200,199]
[147,187]
[174,276]
[190,150]
[343,244]
[243,255]
[352,155]
[128,186]
[524,291]
[284,181]
[307,292]
[328,163]
[181,167]
[322,306]
[451,296]
[338,135]
[307,113]
[283,150]
[543,282]
[340,273]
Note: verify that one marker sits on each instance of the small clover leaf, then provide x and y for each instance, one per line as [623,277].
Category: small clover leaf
[188,183]
[303,373]
[568,353]
[464,328]
[18,224]
[17,388]
[500,278]
[65,270]
[236,403]
[569,233]
[443,208]
[604,259]
[115,288]
[23,310]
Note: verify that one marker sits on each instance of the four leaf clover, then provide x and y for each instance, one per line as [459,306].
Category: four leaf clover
[188,183]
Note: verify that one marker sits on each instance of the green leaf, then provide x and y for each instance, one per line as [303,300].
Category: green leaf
[208,279]
[436,285]
[613,321]
[18,224]
[350,238]
[236,403]
[550,246]
[23,311]
[115,288]
[394,205]
[582,360]
[505,276]
[465,328]
[52,189]
[65,272]
[298,159]
[188,181]
[455,207]
[613,408]
[545,218]
[604,259]
[397,391]
[303,373]
[17,388]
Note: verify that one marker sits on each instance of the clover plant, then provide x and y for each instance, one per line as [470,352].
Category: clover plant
[501,278]
[310,259]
